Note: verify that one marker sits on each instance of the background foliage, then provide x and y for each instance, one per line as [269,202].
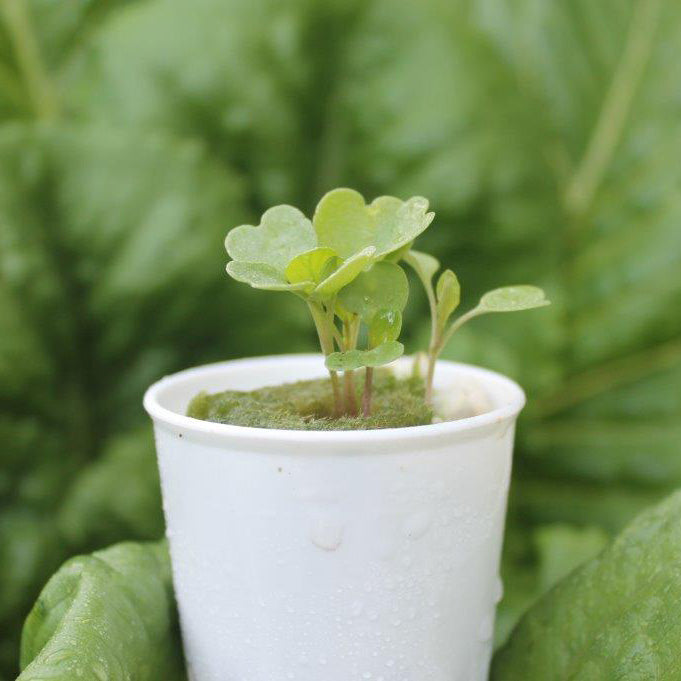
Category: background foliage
[134,134]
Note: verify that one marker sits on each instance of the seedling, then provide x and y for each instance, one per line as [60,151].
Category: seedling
[345,265]
[444,299]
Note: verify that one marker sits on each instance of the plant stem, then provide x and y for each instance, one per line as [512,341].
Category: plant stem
[325,334]
[617,106]
[432,359]
[350,332]
[456,325]
[435,331]
[26,48]
[368,386]
[437,345]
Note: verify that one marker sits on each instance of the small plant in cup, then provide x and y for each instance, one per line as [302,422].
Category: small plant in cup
[341,265]
[346,265]
[444,299]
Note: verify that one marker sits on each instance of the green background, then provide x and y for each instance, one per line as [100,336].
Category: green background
[133,135]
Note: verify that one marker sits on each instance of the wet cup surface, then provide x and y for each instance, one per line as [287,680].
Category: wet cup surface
[334,556]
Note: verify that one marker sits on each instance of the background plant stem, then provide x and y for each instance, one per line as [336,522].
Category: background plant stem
[40,88]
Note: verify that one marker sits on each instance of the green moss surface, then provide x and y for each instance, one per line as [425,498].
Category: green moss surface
[308,405]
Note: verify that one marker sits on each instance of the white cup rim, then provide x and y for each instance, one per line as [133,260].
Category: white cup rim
[507,395]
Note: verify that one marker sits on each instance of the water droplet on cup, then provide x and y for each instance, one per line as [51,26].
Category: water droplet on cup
[417,524]
[356,608]
[326,533]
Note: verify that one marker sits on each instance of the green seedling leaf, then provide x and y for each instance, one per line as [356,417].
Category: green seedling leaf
[424,265]
[356,359]
[512,299]
[448,295]
[384,327]
[265,277]
[384,286]
[345,273]
[344,222]
[311,266]
[283,233]
[400,253]
[506,299]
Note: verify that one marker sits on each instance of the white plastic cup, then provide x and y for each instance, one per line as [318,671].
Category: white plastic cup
[333,556]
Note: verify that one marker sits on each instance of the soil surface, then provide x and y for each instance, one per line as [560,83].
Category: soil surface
[308,405]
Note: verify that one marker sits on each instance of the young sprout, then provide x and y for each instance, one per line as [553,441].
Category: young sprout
[316,260]
[344,263]
[444,299]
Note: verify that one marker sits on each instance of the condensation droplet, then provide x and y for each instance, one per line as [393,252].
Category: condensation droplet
[416,525]
[326,533]
[357,608]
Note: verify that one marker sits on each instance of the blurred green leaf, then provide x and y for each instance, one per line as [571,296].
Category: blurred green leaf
[37,39]
[562,548]
[94,511]
[232,75]
[30,549]
[537,500]
[533,562]
[616,617]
